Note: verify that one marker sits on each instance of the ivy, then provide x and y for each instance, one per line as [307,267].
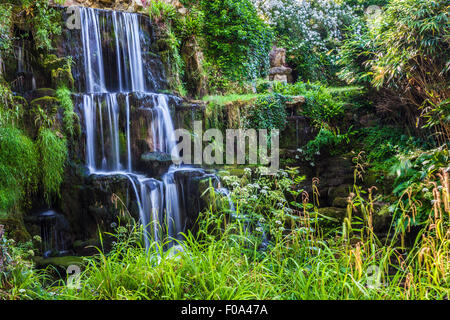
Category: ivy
[236,38]
[268,112]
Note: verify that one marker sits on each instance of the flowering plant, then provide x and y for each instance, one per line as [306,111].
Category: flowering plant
[311,31]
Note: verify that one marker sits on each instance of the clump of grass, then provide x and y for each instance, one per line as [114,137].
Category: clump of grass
[64,96]
[224,99]
[18,166]
[53,152]
[223,260]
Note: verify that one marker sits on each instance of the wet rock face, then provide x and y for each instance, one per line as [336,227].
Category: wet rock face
[189,183]
[142,115]
[113,49]
[155,163]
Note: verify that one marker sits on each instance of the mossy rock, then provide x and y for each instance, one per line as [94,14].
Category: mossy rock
[51,62]
[62,77]
[15,227]
[341,191]
[43,92]
[231,171]
[47,103]
[156,156]
[20,100]
[340,202]
[338,214]
[58,262]
[382,218]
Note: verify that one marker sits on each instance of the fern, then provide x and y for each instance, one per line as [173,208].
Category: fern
[53,151]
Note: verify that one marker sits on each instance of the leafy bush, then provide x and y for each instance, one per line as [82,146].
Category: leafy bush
[53,155]
[169,34]
[268,112]
[326,138]
[382,143]
[420,176]
[18,167]
[5,28]
[11,108]
[406,52]
[320,106]
[64,96]
[311,31]
[236,38]
[45,20]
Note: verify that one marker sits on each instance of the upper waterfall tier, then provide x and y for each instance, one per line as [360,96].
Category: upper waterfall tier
[113,53]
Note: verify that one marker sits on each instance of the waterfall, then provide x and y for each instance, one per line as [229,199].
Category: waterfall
[113,69]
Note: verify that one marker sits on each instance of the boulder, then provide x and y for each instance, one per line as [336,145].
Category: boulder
[155,163]
[338,214]
[341,191]
[340,202]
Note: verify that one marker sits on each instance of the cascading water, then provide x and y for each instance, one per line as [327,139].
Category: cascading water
[113,69]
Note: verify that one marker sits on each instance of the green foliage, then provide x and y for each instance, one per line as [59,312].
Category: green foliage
[45,20]
[18,278]
[5,28]
[411,29]
[268,112]
[311,31]
[237,40]
[227,260]
[53,156]
[406,51]
[355,53]
[18,167]
[321,107]
[65,100]
[382,143]
[169,42]
[332,141]
[11,109]
[417,174]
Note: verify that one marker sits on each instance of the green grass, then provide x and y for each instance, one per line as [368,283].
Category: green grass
[222,100]
[222,262]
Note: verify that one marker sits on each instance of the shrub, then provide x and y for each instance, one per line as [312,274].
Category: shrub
[406,53]
[45,21]
[18,166]
[64,96]
[311,31]
[53,155]
[236,38]
[5,28]
[268,112]
[320,106]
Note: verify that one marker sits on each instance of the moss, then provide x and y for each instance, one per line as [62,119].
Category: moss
[335,213]
[15,227]
[43,92]
[48,103]
[20,100]
[340,202]
[59,262]
[122,144]
[51,62]
[63,77]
